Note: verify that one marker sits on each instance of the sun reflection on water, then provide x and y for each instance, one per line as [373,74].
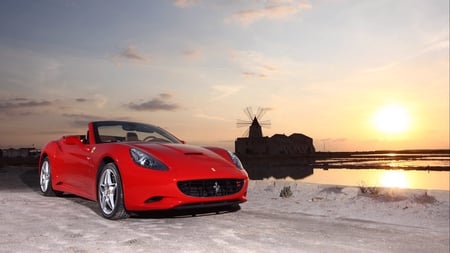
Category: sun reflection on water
[393,164]
[394,178]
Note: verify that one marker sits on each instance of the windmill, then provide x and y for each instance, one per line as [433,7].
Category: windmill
[254,122]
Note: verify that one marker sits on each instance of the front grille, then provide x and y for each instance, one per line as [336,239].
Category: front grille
[211,187]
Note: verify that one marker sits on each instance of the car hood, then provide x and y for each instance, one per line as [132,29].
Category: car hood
[183,158]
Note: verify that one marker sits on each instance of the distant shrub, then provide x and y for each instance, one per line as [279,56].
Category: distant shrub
[424,199]
[382,194]
[334,189]
[369,190]
[286,192]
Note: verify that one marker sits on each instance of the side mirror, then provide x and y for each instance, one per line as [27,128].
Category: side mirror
[72,140]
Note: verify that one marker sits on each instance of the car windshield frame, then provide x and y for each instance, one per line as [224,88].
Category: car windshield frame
[125,131]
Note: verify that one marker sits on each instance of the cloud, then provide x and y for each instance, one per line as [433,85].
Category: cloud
[99,100]
[20,103]
[81,116]
[193,54]
[223,91]
[274,10]
[22,107]
[185,3]
[254,64]
[252,74]
[156,104]
[435,46]
[165,95]
[131,53]
[209,117]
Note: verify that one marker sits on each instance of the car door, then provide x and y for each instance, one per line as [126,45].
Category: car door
[77,165]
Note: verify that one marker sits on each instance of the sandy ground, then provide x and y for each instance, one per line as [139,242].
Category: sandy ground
[316,218]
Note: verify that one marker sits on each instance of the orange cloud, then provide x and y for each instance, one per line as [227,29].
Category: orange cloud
[185,3]
[276,10]
[254,64]
[193,54]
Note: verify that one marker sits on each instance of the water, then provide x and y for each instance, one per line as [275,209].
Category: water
[408,169]
[412,179]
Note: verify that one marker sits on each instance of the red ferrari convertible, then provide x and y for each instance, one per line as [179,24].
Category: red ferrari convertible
[128,166]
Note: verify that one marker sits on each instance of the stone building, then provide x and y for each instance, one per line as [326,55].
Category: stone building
[278,144]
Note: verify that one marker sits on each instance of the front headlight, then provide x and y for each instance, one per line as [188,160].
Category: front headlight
[235,160]
[147,161]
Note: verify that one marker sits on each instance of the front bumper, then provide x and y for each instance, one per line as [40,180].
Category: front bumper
[146,190]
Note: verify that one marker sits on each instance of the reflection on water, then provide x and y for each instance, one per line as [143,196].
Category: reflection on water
[280,172]
[394,178]
[406,160]
[260,167]
[413,179]
[410,169]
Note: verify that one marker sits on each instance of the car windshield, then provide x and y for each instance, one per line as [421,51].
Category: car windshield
[119,131]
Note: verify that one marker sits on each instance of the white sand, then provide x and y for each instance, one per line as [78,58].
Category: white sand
[316,218]
[393,206]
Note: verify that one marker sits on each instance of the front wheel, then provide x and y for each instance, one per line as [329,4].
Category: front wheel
[110,193]
[45,179]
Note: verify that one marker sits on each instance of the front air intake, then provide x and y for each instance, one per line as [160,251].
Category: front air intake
[211,187]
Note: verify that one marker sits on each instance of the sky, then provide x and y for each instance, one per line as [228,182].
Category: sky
[324,68]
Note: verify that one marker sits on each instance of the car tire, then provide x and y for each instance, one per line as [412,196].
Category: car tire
[110,193]
[45,179]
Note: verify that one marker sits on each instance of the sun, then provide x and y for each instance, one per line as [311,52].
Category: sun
[392,119]
[394,178]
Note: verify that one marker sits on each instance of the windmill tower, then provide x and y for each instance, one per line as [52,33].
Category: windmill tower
[254,122]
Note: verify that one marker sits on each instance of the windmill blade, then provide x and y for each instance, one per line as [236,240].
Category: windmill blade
[253,119]
[249,112]
[261,112]
[265,123]
[246,133]
[243,123]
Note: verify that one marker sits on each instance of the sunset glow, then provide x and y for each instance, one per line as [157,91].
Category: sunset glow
[352,75]
[392,119]
[393,178]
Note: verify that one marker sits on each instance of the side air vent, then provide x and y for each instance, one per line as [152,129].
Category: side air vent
[154,199]
[193,153]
